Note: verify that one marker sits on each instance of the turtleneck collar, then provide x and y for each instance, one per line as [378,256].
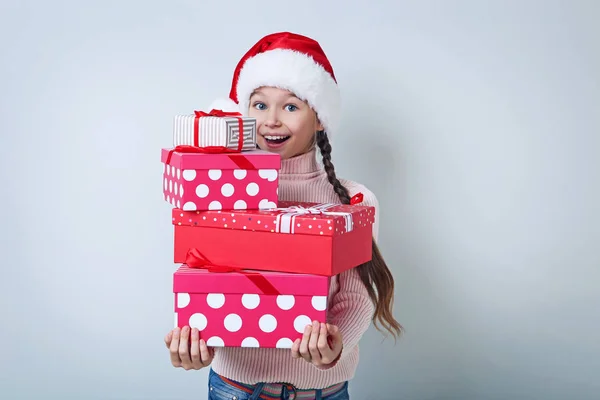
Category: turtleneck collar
[302,164]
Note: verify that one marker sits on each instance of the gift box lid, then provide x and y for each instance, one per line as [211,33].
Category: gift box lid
[251,159]
[200,280]
[300,218]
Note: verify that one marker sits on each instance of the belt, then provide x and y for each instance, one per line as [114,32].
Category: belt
[272,391]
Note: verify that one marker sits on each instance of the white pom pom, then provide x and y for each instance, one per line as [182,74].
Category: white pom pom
[224,104]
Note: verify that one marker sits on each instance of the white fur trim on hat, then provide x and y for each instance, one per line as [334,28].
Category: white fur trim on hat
[298,73]
[224,104]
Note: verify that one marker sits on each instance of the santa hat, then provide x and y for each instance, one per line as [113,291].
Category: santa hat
[288,61]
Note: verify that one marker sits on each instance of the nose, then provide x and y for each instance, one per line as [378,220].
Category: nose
[272,120]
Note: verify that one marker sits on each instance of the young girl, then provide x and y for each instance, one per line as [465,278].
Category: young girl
[286,82]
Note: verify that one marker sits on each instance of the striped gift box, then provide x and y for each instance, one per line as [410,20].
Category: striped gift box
[214,131]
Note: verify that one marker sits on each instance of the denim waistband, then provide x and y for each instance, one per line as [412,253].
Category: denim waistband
[272,391]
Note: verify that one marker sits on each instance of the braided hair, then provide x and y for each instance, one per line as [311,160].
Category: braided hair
[374,274]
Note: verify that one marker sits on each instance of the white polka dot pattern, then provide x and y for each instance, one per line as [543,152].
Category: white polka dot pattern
[284,343]
[227,190]
[215,174]
[267,323]
[268,174]
[240,173]
[233,322]
[202,190]
[198,320]
[215,341]
[231,186]
[248,319]
[189,174]
[285,302]
[183,299]
[215,300]
[250,342]
[250,301]
[240,205]
[300,323]
[319,303]
[215,205]
[252,189]
[264,218]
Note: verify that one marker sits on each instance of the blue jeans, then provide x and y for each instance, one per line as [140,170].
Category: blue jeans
[218,389]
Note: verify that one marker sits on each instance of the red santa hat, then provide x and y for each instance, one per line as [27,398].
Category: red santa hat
[288,61]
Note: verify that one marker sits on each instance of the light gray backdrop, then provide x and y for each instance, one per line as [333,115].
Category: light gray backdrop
[475,122]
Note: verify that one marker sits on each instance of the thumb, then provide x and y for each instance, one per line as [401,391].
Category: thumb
[333,330]
[168,339]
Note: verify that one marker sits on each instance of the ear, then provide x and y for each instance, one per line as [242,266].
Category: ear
[319,125]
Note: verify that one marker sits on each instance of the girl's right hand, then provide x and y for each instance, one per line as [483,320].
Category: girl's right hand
[186,355]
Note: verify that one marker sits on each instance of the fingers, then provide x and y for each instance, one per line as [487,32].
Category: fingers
[206,354]
[296,348]
[333,330]
[312,343]
[174,348]
[304,352]
[184,352]
[195,355]
[335,337]
[187,350]
[168,339]
[323,345]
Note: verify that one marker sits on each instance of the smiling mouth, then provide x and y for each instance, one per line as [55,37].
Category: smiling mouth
[275,139]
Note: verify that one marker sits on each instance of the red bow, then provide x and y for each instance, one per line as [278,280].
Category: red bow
[195,259]
[217,113]
[356,199]
[214,149]
[185,148]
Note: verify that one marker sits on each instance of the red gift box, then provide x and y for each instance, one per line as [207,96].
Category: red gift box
[248,308]
[220,181]
[311,238]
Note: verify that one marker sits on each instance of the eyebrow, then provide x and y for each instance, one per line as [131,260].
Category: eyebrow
[259,92]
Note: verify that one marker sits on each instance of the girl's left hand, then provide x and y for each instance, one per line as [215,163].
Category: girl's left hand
[321,344]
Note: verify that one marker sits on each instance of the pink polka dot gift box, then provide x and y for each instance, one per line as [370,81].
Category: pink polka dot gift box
[311,238]
[194,179]
[248,308]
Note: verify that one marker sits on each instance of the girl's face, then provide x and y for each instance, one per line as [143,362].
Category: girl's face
[285,124]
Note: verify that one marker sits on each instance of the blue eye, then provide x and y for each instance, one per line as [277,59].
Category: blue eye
[293,107]
[259,106]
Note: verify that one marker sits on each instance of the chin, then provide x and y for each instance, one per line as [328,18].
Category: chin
[283,150]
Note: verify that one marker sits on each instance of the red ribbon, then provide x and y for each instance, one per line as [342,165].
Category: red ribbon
[240,160]
[195,259]
[356,199]
[218,113]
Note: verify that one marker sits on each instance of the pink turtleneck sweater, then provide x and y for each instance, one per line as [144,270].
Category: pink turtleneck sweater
[302,178]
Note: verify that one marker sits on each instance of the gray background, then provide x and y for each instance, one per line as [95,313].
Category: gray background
[475,123]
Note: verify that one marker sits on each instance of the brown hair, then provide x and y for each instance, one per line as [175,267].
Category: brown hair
[375,274]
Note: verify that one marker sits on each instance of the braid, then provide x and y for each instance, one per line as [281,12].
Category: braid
[325,147]
[374,274]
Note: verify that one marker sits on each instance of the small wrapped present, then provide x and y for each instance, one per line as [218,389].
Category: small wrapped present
[243,308]
[310,238]
[207,179]
[215,129]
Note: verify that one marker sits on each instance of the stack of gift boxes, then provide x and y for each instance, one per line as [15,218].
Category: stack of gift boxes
[252,270]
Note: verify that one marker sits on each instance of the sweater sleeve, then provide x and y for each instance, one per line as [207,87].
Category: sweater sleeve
[369,199]
[352,309]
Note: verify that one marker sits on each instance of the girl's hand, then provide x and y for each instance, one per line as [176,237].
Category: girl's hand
[321,344]
[186,355]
